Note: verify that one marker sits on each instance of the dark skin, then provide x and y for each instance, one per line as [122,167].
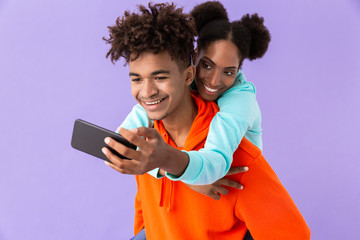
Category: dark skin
[151,153]
[163,90]
[152,146]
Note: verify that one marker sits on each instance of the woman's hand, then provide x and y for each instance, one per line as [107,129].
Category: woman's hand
[217,188]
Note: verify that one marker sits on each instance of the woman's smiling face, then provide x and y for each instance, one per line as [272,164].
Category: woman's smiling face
[217,66]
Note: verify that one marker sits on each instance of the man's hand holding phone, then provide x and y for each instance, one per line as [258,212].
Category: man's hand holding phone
[152,153]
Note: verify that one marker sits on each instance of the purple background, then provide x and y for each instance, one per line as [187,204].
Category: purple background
[53,70]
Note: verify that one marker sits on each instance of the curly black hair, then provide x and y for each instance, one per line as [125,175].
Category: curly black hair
[158,28]
[249,33]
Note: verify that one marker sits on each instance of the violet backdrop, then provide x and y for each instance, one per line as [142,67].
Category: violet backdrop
[53,70]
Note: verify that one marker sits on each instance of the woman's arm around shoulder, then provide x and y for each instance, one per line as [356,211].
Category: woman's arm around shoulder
[239,116]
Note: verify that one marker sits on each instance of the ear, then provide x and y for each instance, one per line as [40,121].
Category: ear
[190,74]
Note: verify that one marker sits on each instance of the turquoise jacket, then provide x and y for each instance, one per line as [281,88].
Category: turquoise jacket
[239,116]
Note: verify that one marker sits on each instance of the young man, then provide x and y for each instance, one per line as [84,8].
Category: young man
[157,44]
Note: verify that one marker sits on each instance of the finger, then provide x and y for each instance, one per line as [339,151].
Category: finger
[133,137]
[122,149]
[215,195]
[147,132]
[118,129]
[122,165]
[220,190]
[235,170]
[114,167]
[114,160]
[230,183]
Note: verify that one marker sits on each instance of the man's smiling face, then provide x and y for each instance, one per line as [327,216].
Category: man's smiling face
[158,84]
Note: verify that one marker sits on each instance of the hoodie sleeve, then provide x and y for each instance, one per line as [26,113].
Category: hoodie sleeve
[138,118]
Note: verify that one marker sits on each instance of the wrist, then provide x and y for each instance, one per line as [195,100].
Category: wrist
[176,161]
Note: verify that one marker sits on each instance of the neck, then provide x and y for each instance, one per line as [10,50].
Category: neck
[178,125]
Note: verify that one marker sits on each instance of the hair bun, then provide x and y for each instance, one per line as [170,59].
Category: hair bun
[260,36]
[207,12]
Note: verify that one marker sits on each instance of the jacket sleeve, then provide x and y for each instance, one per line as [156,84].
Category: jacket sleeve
[266,207]
[238,112]
[138,118]
[138,221]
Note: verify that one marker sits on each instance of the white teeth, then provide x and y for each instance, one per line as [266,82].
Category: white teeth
[153,103]
[210,89]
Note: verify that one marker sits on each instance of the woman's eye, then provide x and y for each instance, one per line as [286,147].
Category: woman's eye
[206,66]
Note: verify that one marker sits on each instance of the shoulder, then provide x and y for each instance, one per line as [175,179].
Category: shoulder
[243,86]
[204,105]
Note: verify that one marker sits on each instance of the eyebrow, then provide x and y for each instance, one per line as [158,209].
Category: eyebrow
[232,67]
[157,72]
[160,72]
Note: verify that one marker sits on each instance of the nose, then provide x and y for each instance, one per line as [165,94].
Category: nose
[149,88]
[214,78]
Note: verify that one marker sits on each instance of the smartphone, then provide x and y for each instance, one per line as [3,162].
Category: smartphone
[89,138]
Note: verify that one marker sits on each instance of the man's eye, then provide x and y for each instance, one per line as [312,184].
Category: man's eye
[135,79]
[160,78]
[229,73]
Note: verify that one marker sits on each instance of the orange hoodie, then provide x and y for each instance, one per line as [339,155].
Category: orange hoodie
[171,210]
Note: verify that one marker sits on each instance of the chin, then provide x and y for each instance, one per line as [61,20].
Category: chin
[207,97]
[156,117]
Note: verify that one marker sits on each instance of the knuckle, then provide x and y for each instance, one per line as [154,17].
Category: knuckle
[142,128]
[230,183]
[132,138]
[122,169]
[215,196]
[125,152]
[110,157]
[152,151]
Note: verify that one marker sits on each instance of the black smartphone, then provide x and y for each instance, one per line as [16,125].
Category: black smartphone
[89,138]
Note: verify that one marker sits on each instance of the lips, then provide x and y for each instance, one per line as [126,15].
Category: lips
[209,90]
[212,90]
[152,104]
